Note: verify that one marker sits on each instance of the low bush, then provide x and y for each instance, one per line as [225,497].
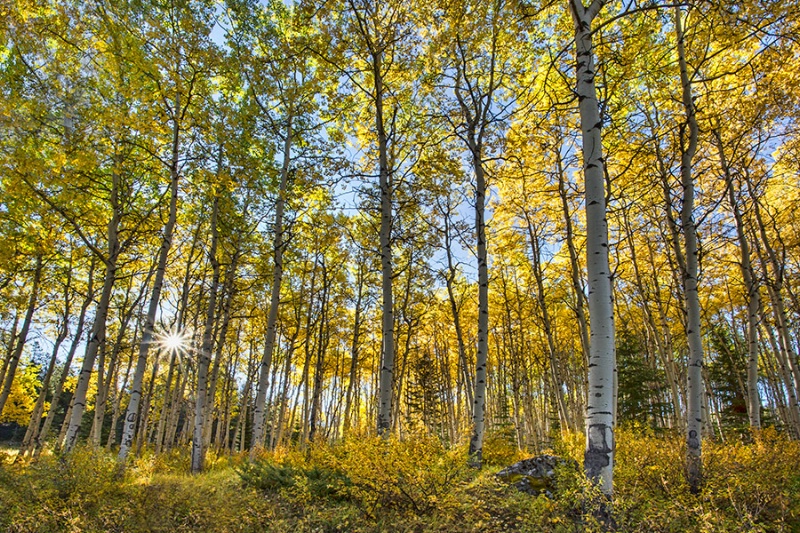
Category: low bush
[372,485]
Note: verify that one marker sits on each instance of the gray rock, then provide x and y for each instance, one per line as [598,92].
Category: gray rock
[535,475]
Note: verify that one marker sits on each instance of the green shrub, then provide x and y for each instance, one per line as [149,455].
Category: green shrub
[371,485]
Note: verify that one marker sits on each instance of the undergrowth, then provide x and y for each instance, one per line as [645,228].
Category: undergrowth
[372,485]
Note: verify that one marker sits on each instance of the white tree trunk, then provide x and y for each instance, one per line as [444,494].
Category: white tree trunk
[204,355]
[695,388]
[23,334]
[753,296]
[129,429]
[599,455]
[98,335]
[385,399]
[259,411]
[479,406]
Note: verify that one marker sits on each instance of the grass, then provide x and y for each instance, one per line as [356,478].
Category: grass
[368,485]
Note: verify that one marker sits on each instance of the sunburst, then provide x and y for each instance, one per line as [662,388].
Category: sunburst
[175,341]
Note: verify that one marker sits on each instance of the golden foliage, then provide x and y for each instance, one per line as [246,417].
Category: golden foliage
[372,485]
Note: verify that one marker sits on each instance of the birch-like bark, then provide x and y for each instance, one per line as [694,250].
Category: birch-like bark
[450,281]
[241,421]
[162,417]
[129,429]
[577,285]
[385,399]
[354,349]
[99,398]
[117,404]
[177,406]
[368,20]
[10,346]
[600,444]
[23,333]
[106,386]
[34,425]
[694,384]
[204,356]
[259,410]
[310,327]
[475,104]
[98,335]
[144,416]
[32,432]
[219,337]
[775,287]
[753,296]
[181,368]
[479,405]
[538,274]
[41,438]
[322,345]
[222,441]
[276,435]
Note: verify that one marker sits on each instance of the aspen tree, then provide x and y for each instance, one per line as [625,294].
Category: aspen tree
[600,444]
[35,424]
[695,386]
[751,285]
[98,333]
[204,355]
[155,296]
[22,337]
[41,438]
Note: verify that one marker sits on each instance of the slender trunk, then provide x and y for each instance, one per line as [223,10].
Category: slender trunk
[98,335]
[479,403]
[753,297]
[144,416]
[354,348]
[204,356]
[228,293]
[694,389]
[449,281]
[45,431]
[241,422]
[109,384]
[403,315]
[162,417]
[775,288]
[600,444]
[23,334]
[221,438]
[32,433]
[259,411]
[10,346]
[177,404]
[129,429]
[277,433]
[385,401]
[112,434]
[577,284]
[322,345]
[99,402]
[546,322]
[310,328]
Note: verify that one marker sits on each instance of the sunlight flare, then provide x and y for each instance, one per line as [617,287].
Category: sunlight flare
[174,341]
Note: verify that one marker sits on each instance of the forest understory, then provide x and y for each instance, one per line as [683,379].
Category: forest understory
[371,485]
[330,265]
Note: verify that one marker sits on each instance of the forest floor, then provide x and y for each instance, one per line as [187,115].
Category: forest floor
[367,485]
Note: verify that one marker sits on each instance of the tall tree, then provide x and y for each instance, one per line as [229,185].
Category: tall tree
[600,444]
[183,76]
[689,265]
